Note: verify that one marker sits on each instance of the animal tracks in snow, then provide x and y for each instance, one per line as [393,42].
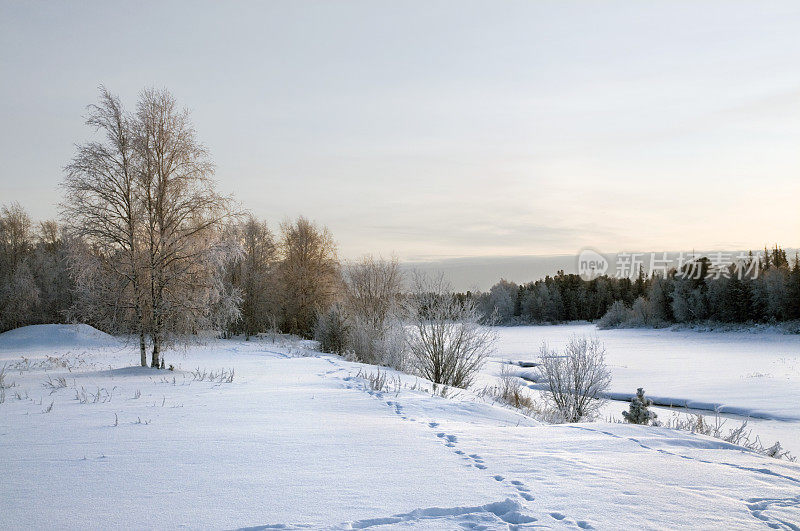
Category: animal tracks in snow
[473,460]
[765,471]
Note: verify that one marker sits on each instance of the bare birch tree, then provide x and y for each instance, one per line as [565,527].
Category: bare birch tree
[143,205]
[101,206]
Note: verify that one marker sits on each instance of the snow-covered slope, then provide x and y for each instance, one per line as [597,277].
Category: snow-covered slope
[55,337]
[301,441]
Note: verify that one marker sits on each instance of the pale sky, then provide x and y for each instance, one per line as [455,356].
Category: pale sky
[441,129]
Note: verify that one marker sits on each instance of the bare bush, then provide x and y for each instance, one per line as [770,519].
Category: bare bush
[575,380]
[380,381]
[3,383]
[55,385]
[101,396]
[447,345]
[221,376]
[510,390]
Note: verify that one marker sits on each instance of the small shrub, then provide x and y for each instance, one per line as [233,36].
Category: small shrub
[381,343]
[638,411]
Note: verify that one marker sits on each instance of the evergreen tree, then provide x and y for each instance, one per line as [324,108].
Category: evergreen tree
[794,290]
[638,411]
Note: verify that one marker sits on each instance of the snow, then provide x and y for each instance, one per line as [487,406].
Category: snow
[746,374]
[298,440]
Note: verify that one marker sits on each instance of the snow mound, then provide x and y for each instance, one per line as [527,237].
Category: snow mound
[56,336]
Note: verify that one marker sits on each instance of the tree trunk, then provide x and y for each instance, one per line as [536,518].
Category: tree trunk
[142,348]
[156,349]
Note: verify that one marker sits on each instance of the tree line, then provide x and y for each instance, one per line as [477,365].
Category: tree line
[764,289]
[256,282]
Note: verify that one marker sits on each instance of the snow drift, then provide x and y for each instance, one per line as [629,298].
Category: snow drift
[56,336]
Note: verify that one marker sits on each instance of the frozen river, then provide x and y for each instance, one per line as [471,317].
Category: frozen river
[744,374]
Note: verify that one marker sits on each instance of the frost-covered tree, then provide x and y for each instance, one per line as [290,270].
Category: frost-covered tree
[773,283]
[638,410]
[688,303]
[19,296]
[18,292]
[255,275]
[375,310]
[617,315]
[50,268]
[658,299]
[793,289]
[309,274]
[16,236]
[502,300]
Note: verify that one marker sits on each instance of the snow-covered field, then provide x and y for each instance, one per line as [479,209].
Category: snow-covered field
[755,375]
[299,440]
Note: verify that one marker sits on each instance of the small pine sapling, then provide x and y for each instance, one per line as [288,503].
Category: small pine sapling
[638,412]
